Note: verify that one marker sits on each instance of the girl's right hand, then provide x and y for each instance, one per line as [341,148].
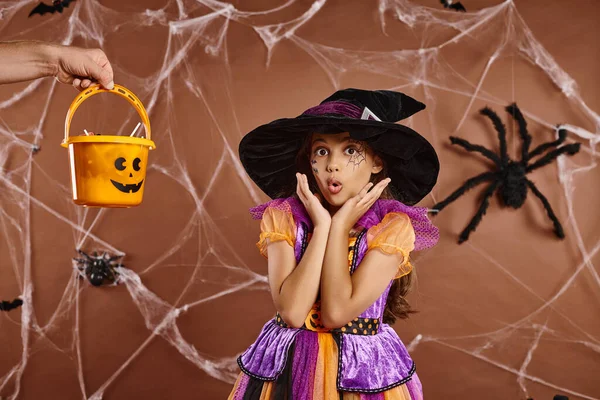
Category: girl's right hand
[318,214]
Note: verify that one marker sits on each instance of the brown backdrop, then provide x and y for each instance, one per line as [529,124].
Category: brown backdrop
[511,313]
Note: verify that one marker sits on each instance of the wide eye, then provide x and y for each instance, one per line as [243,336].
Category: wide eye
[350,151]
[136,164]
[321,151]
[120,164]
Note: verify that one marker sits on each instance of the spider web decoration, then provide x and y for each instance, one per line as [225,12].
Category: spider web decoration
[509,315]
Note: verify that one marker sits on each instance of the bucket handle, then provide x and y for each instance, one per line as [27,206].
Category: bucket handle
[118,90]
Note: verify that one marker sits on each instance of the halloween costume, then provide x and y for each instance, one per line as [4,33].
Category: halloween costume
[365,359]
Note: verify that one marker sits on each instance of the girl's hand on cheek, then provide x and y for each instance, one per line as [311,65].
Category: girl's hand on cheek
[354,208]
[318,214]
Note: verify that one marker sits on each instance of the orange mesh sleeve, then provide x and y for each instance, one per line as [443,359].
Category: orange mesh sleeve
[394,235]
[276,225]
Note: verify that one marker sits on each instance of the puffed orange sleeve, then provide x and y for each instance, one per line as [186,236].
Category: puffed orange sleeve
[394,235]
[276,225]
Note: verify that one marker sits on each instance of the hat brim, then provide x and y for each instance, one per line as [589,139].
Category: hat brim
[268,153]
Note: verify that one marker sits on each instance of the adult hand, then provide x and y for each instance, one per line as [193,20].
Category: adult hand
[81,67]
[28,60]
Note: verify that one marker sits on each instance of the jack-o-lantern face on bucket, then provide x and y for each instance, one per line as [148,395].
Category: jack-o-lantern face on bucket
[109,174]
[131,168]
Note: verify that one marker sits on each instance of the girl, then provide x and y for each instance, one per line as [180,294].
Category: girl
[338,255]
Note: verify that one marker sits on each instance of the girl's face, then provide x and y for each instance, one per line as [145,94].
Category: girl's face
[341,166]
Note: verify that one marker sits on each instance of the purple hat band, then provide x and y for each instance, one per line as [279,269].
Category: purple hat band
[342,108]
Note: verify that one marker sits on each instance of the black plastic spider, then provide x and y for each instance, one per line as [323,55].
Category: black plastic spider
[97,268]
[510,177]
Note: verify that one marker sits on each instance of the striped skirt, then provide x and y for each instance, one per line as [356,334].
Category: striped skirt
[311,374]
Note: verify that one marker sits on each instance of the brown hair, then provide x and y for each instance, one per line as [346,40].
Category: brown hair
[396,305]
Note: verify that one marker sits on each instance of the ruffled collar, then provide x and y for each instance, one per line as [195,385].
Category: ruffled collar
[426,234]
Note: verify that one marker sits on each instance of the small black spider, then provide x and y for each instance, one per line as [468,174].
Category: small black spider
[453,6]
[97,268]
[510,177]
[10,305]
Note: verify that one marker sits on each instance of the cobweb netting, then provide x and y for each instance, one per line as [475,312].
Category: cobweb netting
[510,314]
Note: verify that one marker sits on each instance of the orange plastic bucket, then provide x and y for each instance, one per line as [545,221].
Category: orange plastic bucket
[108,171]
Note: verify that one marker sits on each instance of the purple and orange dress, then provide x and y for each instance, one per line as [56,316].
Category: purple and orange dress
[363,360]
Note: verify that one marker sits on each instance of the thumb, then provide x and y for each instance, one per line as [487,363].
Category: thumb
[102,75]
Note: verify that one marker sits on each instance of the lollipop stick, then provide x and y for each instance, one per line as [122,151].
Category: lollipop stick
[136,128]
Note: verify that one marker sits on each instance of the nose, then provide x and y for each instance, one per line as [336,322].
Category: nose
[332,164]
[130,175]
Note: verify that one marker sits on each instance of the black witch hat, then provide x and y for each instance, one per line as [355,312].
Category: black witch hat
[268,153]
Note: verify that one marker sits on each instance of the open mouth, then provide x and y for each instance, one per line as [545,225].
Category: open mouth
[334,186]
[132,188]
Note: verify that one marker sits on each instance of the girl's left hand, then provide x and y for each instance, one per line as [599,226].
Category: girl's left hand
[356,207]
